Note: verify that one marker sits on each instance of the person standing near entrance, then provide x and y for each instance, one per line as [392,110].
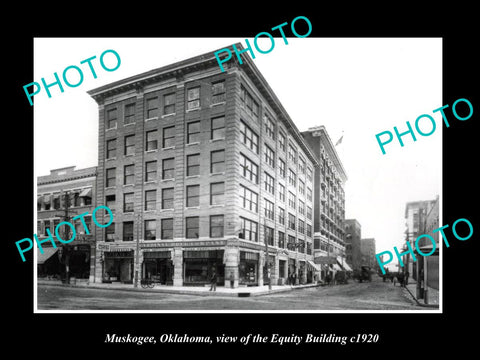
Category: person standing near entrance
[213,281]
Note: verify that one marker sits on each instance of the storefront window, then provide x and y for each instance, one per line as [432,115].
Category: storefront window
[248,268]
[199,265]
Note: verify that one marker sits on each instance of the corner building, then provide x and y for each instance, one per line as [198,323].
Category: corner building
[204,171]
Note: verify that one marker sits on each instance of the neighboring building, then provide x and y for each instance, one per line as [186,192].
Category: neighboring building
[329,194]
[353,237]
[415,215]
[62,195]
[367,249]
[201,168]
[431,263]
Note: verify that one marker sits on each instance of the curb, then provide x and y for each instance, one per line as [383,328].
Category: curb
[184,291]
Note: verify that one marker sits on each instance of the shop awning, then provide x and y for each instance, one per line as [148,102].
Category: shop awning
[47,253]
[86,193]
[313,266]
[336,267]
[427,249]
[343,264]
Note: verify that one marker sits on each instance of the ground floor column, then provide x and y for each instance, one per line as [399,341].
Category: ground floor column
[297,264]
[93,263]
[99,263]
[177,257]
[261,264]
[231,261]
[274,274]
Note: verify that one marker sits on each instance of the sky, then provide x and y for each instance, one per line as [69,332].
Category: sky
[357,87]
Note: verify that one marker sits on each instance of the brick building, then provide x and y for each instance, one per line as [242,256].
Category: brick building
[329,204]
[204,171]
[62,195]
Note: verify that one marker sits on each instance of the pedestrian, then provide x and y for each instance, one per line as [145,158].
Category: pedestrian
[232,279]
[407,274]
[213,281]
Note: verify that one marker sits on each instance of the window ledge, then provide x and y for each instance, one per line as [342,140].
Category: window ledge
[192,176]
[129,124]
[166,180]
[218,104]
[113,128]
[169,148]
[218,173]
[195,109]
[218,139]
[152,118]
[168,115]
[111,159]
[151,151]
[193,143]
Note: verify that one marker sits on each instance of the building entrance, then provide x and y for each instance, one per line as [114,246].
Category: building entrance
[118,267]
[199,267]
[158,267]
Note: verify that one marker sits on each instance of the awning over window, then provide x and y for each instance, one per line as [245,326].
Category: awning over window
[86,193]
[313,266]
[47,254]
[336,267]
[343,264]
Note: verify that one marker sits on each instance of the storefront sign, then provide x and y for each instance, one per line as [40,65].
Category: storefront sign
[104,247]
[156,255]
[118,254]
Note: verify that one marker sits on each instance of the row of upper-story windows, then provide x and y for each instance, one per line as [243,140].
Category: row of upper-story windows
[250,139]
[167,139]
[249,230]
[156,105]
[249,170]
[51,225]
[216,196]
[74,198]
[192,228]
[167,171]
[250,201]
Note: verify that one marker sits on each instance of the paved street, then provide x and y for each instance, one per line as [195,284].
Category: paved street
[353,296]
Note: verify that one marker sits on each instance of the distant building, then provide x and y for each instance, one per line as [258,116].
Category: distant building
[367,250]
[62,195]
[353,237]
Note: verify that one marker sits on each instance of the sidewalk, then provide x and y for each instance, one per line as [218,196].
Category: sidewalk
[242,291]
[433,295]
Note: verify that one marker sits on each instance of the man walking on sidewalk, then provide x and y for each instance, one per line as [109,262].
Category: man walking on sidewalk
[213,281]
